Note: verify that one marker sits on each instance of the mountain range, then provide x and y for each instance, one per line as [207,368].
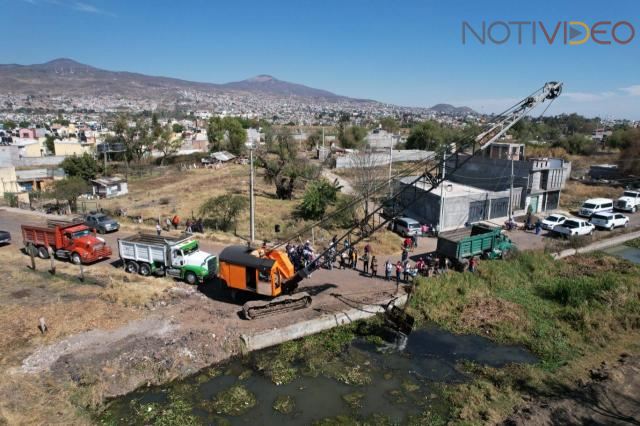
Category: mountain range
[67,77]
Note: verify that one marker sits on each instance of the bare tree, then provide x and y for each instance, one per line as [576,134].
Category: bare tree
[368,176]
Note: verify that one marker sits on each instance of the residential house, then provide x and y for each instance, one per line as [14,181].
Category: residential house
[108,187]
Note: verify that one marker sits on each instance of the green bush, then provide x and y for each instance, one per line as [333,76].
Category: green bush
[575,291]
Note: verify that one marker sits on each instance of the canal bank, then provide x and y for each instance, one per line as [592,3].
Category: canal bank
[561,312]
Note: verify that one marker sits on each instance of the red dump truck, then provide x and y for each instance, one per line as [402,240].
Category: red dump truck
[73,241]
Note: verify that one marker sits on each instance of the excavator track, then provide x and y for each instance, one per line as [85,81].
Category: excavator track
[259,308]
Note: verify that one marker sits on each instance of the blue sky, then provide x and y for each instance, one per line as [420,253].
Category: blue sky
[403,52]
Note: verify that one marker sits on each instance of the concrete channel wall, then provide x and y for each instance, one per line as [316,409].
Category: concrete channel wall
[277,336]
[598,245]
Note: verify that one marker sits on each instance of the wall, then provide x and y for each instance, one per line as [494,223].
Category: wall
[68,149]
[8,180]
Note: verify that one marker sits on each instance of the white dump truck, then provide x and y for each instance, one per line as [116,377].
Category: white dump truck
[178,257]
[629,202]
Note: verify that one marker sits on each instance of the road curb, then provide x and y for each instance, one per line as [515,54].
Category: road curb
[275,337]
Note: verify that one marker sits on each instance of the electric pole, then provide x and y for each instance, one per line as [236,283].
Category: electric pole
[511,188]
[252,229]
[444,167]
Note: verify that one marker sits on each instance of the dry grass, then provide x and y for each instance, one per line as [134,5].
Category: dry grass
[575,193]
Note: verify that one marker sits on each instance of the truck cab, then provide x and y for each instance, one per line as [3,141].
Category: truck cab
[629,201]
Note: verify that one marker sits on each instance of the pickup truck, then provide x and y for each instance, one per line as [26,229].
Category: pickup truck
[73,241]
[179,257]
[574,227]
[629,202]
[101,223]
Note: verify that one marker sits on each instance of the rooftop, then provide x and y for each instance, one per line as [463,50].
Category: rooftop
[451,189]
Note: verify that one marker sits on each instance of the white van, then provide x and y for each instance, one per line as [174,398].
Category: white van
[407,227]
[596,205]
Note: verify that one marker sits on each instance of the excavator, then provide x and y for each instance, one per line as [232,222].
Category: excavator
[268,271]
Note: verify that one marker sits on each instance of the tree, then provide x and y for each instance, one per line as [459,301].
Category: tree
[167,144]
[9,124]
[49,143]
[223,210]
[428,135]
[215,134]
[177,128]
[629,161]
[367,175]
[70,189]
[317,197]
[24,124]
[236,135]
[84,166]
[281,165]
[138,141]
[389,124]
[352,137]
[226,134]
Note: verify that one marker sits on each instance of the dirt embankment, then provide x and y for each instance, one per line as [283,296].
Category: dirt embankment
[611,396]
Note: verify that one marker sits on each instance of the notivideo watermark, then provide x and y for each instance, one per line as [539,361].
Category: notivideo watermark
[537,32]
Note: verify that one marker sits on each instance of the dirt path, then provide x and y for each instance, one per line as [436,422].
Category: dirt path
[611,397]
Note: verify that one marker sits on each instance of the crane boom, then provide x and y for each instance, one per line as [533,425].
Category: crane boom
[374,221]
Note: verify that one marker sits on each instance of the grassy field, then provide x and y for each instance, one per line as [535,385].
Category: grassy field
[182,193]
[106,299]
[564,312]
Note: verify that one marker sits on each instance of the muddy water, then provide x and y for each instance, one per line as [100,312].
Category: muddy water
[402,377]
[629,253]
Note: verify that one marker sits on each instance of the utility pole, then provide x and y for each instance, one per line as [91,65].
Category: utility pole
[444,167]
[390,166]
[252,229]
[511,188]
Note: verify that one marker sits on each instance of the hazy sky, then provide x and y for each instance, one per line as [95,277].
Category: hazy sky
[403,52]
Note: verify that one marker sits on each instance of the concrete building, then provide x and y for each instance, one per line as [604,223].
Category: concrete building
[108,187]
[453,205]
[379,138]
[540,179]
[69,147]
[37,179]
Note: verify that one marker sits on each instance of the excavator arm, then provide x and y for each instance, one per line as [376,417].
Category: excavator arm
[429,174]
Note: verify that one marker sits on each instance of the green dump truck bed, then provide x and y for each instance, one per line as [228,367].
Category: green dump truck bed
[477,240]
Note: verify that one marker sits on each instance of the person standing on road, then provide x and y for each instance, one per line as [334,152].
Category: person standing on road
[175,221]
[538,227]
[405,267]
[398,272]
[354,258]
[405,254]
[365,262]
[414,242]
[387,270]
[374,266]
[158,228]
[473,264]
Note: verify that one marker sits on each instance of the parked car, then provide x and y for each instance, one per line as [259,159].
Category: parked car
[101,223]
[574,227]
[407,227]
[596,205]
[552,221]
[609,220]
[5,237]
[629,202]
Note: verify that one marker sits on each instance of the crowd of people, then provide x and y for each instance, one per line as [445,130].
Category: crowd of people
[190,226]
[363,260]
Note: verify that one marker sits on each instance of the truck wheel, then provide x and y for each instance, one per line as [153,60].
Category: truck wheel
[131,267]
[190,278]
[144,270]
[634,209]
[43,253]
[76,259]
[31,250]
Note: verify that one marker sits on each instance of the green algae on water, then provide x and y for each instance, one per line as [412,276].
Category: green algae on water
[234,401]
[284,404]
